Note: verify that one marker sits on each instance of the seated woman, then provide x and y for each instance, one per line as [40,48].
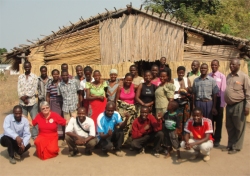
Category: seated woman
[125,99]
[181,96]
[113,84]
[96,94]
[155,73]
[47,140]
[145,94]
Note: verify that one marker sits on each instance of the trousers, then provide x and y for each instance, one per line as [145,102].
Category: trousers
[32,110]
[235,124]
[12,146]
[156,137]
[204,148]
[73,147]
[217,121]
[115,140]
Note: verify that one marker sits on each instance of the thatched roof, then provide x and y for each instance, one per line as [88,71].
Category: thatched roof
[241,43]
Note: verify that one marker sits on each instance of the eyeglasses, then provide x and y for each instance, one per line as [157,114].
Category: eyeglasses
[44,108]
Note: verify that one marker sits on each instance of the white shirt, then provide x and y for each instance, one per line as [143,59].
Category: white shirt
[87,125]
[177,86]
[83,86]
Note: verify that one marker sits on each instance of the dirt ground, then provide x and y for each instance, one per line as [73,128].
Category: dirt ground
[221,163]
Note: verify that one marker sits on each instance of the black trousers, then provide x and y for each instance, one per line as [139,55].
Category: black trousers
[115,140]
[12,146]
[156,137]
[217,121]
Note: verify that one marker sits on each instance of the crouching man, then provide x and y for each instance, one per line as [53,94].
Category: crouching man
[16,134]
[80,131]
[110,128]
[202,131]
[145,129]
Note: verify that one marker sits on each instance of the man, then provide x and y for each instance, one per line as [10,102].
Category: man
[147,128]
[43,82]
[205,92]
[110,128]
[164,66]
[80,131]
[68,89]
[202,131]
[220,101]
[237,97]
[136,78]
[79,77]
[64,67]
[195,73]
[26,88]
[16,134]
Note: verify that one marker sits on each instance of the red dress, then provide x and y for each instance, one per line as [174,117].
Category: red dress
[47,140]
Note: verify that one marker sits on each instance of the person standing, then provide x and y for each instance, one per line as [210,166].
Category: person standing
[237,97]
[26,88]
[220,101]
[68,89]
[164,66]
[113,84]
[65,67]
[16,134]
[155,73]
[205,92]
[43,82]
[136,78]
[195,73]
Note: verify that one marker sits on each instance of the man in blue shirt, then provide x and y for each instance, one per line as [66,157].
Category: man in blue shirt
[16,134]
[109,127]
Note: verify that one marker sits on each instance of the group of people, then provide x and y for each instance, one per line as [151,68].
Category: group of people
[86,110]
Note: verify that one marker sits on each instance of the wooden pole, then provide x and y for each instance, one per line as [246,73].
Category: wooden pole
[141,6]
[115,9]
[147,10]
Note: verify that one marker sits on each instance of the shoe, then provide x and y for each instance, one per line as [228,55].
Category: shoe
[142,151]
[12,160]
[156,154]
[88,152]
[71,154]
[131,149]
[104,151]
[196,154]
[77,153]
[17,156]
[206,158]
[226,149]
[233,151]
[119,153]
[216,144]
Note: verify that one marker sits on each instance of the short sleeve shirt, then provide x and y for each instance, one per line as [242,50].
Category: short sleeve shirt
[99,90]
[162,94]
[199,132]
[83,86]
[105,123]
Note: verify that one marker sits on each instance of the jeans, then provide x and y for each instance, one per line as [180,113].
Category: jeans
[32,110]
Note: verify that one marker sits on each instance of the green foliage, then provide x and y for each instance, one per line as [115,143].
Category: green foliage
[226,16]
[2,50]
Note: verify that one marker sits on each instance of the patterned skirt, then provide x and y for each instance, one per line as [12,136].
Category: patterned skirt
[123,107]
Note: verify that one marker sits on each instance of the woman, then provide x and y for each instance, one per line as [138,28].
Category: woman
[164,93]
[47,140]
[181,96]
[96,94]
[113,85]
[145,94]
[125,99]
[164,66]
[155,73]
[54,99]
[88,78]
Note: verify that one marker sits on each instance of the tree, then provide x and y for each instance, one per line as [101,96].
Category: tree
[226,16]
[2,51]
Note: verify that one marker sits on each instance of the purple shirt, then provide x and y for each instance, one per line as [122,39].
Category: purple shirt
[221,83]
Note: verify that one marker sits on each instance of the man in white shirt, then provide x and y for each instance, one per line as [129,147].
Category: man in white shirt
[80,131]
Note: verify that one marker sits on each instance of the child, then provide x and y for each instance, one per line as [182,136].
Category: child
[172,123]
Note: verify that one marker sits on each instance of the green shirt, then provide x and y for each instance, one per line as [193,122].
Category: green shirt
[162,94]
[96,90]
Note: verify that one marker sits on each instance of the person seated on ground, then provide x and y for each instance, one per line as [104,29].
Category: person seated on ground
[47,140]
[16,134]
[172,123]
[202,131]
[110,128]
[147,128]
[80,131]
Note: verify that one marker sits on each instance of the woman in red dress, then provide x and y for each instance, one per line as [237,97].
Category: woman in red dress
[47,140]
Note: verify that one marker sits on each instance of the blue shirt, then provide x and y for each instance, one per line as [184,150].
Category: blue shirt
[105,123]
[12,128]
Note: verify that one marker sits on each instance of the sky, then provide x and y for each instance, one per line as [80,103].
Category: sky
[29,19]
